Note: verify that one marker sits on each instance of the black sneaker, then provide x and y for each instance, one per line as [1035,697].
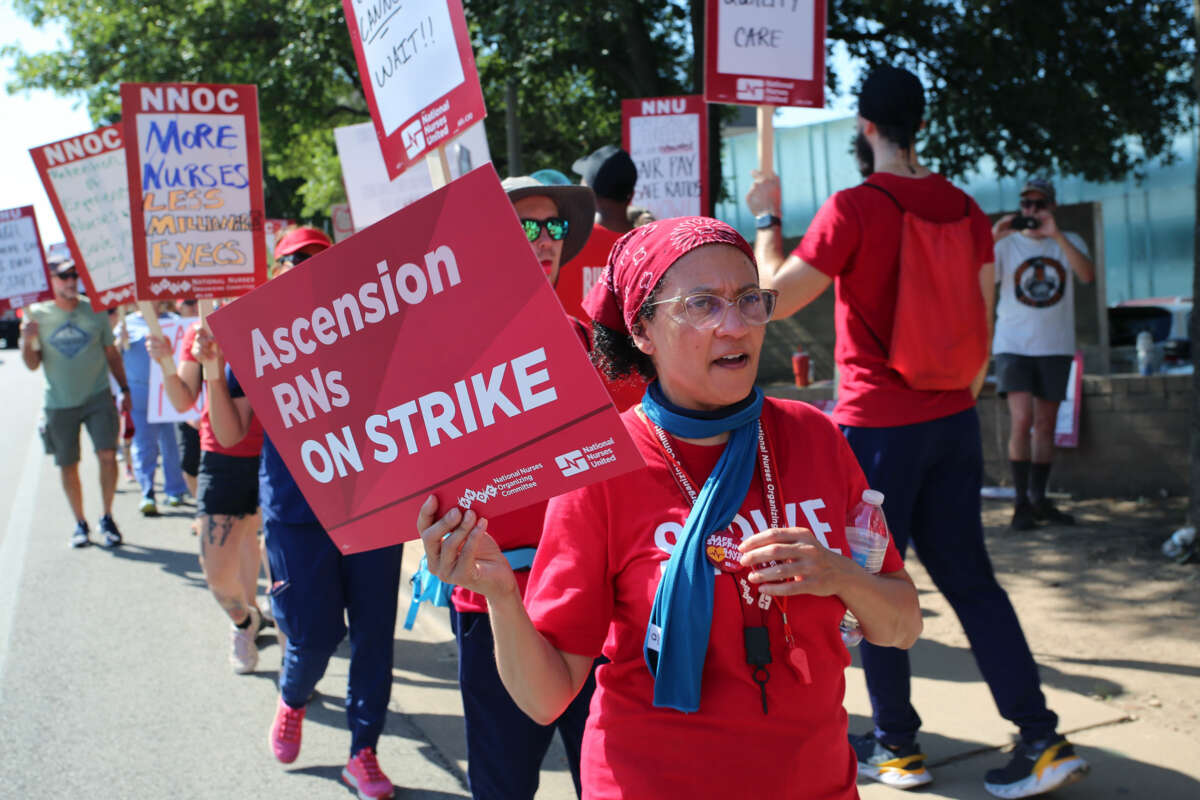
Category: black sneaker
[1023,519]
[1036,768]
[902,767]
[112,536]
[1045,511]
[80,537]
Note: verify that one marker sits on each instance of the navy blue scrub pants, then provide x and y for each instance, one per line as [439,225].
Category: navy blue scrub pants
[930,474]
[505,747]
[315,590]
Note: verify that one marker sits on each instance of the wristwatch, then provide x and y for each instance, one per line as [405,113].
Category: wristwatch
[764,221]
[124,389]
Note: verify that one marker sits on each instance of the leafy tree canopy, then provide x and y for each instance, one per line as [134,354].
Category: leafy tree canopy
[1089,87]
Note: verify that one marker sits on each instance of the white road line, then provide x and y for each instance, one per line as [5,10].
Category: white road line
[15,546]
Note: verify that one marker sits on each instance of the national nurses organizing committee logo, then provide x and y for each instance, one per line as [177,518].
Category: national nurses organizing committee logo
[1040,282]
[572,463]
[482,496]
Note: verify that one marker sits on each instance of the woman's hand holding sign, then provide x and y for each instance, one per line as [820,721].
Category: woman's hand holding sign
[460,552]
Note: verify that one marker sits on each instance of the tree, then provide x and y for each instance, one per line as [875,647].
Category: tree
[298,54]
[569,64]
[1089,87]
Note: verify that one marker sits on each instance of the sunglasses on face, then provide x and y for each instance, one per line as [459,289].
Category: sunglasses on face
[68,276]
[555,227]
[1038,204]
[705,311]
[292,259]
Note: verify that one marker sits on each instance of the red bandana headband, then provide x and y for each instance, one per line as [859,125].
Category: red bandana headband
[641,257]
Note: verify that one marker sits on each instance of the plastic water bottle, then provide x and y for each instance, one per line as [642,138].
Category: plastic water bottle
[1145,353]
[867,534]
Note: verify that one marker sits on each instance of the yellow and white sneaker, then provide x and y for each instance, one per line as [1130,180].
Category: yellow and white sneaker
[902,768]
[1037,768]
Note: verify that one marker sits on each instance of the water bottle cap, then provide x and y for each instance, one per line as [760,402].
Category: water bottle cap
[873,497]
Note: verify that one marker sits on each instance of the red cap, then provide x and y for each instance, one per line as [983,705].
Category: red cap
[298,238]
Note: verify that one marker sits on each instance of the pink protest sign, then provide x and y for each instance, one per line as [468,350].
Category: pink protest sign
[24,277]
[195,189]
[769,54]
[418,74]
[88,185]
[423,356]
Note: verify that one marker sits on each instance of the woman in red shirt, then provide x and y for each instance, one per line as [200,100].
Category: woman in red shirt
[715,578]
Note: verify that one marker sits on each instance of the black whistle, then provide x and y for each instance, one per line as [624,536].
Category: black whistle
[758,646]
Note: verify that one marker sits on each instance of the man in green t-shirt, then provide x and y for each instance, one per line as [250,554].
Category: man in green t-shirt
[74,345]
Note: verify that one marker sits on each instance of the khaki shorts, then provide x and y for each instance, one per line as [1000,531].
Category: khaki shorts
[60,428]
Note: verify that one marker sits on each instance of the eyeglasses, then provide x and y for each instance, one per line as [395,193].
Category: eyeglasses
[556,228]
[705,311]
[1037,204]
[68,276]
[292,259]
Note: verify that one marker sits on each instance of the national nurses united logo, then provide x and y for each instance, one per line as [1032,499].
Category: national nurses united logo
[69,339]
[1040,282]
[572,463]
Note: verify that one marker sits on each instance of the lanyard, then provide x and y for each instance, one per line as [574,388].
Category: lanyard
[721,549]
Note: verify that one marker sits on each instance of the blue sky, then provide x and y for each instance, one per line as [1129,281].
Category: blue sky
[31,119]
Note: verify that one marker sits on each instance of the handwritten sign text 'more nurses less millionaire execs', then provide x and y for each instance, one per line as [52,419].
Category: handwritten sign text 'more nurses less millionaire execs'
[195,179]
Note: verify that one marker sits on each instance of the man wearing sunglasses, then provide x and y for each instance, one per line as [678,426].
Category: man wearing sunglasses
[1036,266]
[75,347]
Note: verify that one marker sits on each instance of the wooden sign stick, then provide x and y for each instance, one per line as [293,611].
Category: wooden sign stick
[439,166]
[151,316]
[766,141]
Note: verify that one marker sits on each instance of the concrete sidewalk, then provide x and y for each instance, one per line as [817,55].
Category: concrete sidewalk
[963,735]
[114,679]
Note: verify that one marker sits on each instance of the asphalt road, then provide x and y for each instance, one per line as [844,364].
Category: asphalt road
[114,678]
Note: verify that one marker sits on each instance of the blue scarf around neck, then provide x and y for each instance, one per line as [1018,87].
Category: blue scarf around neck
[677,636]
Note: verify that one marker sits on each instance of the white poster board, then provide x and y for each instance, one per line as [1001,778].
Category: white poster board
[666,150]
[369,193]
[22,269]
[158,406]
[774,40]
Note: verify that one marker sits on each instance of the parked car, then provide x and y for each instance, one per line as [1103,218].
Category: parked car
[10,328]
[1168,319]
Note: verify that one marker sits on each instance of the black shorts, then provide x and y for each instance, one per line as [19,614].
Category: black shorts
[227,484]
[188,440]
[1043,376]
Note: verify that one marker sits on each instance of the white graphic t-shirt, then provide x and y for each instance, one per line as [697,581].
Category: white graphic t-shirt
[1035,308]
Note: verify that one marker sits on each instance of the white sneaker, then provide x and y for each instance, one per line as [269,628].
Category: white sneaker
[244,655]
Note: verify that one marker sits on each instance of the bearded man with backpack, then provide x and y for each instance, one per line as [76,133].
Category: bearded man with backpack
[912,258]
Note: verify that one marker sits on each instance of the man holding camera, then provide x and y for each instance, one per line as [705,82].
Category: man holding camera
[1035,340]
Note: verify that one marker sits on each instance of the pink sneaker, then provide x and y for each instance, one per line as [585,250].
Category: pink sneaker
[363,773]
[285,732]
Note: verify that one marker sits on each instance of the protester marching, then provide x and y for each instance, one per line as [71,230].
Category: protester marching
[553,390]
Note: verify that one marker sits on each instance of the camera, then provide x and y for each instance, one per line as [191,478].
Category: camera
[1022,223]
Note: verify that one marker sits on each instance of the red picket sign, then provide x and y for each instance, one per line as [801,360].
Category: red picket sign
[668,140]
[418,75]
[424,355]
[24,275]
[765,54]
[195,189]
[88,184]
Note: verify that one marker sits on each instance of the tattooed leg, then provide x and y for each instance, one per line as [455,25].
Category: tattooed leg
[220,559]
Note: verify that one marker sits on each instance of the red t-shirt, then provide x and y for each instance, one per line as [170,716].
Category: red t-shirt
[250,445]
[523,527]
[591,590]
[855,238]
[576,277]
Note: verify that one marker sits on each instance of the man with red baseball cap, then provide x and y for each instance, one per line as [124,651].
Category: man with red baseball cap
[298,245]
